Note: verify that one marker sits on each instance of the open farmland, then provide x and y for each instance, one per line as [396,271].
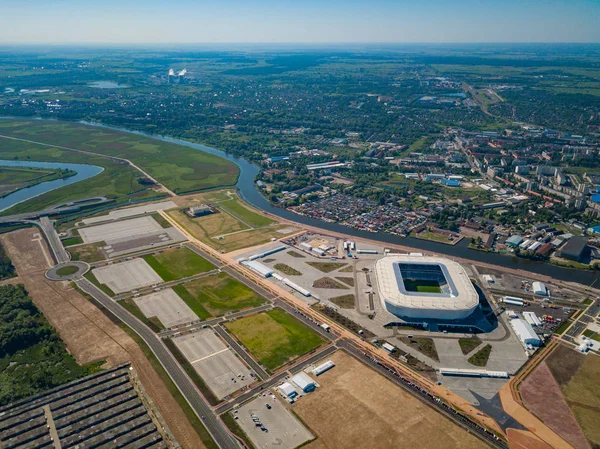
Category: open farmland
[355,403]
[127,276]
[178,167]
[274,337]
[177,263]
[215,295]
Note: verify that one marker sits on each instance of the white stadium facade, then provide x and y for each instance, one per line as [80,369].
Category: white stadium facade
[418,287]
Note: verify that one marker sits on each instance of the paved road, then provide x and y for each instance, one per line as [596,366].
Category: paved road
[215,321]
[58,250]
[241,351]
[212,423]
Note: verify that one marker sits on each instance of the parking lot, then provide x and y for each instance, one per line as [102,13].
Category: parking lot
[119,230]
[218,365]
[167,306]
[127,276]
[281,429]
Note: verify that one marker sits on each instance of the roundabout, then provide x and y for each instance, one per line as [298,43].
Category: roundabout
[67,271]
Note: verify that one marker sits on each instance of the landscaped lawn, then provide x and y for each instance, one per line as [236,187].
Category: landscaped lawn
[468,344]
[274,337]
[326,267]
[177,263]
[480,358]
[67,270]
[216,295]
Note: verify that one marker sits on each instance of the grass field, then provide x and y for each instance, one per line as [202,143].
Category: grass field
[274,337]
[326,267]
[343,301]
[480,358]
[15,178]
[177,263]
[296,254]
[468,344]
[180,168]
[326,282]
[216,295]
[238,209]
[70,241]
[422,286]
[116,181]
[356,407]
[591,334]
[90,252]
[225,233]
[68,270]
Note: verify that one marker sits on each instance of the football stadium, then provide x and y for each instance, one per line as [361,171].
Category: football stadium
[417,287]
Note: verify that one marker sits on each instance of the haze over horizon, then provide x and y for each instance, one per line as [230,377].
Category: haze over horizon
[310,21]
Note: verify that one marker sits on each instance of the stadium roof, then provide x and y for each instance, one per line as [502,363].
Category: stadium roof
[458,298]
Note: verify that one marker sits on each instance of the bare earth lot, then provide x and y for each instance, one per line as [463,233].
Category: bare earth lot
[356,407]
[87,332]
[542,397]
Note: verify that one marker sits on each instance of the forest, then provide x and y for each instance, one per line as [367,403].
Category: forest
[33,358]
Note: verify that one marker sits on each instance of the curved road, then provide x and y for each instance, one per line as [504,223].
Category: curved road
[214,426]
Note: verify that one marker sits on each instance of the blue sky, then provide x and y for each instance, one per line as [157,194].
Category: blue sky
[306,21]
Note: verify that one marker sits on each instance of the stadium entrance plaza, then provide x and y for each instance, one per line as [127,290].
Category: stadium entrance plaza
[507,352]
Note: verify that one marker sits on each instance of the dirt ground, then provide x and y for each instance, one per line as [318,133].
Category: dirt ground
[542,396]
[356,407]
[87,332]
[521,439]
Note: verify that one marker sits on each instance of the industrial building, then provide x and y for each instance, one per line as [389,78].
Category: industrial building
[287,390]
[101,410]
[323,367]
[258,267]
[575,249]
[525,333]
[539,289]
[514,240]
[473,373]
[200,210]
[532,318]
[304,382]
[425,287]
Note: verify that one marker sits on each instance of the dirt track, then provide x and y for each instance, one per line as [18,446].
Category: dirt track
[89,335]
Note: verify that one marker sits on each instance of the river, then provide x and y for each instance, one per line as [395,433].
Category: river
[250,193]
[84,171]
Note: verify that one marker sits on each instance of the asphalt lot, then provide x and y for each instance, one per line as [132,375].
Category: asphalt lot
[167,306]
[126,276]
[213,424]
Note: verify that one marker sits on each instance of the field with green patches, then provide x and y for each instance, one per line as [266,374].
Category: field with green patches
[238,209]
[177,263]
[180,168]
[90,252]
[116,181]
[215,295]
[274,337]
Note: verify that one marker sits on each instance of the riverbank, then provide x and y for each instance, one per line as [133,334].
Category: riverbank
[249,192]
